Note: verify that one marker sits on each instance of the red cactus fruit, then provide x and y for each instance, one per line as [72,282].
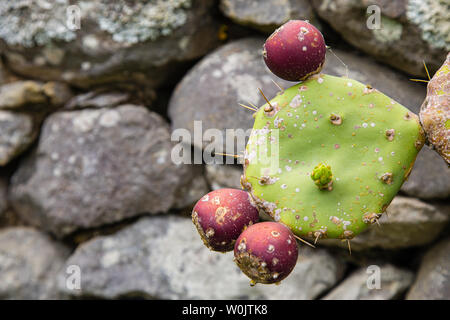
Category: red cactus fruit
[295,51]
[266,252]
[221,216]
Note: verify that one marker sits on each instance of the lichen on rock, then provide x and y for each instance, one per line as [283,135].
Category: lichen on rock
[36,23]
[92,43]
[133,21]
[30,23]
[432,17]
[391,30]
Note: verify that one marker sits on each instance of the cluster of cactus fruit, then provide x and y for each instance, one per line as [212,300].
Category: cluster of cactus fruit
[325,159]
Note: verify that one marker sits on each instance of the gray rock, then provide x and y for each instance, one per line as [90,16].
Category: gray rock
[17,132]
[433,279]
[191,192]
[366,70]
[3,198]
[112,96]
[96,100]
[211,91]
[267,15]
[26,94]
[409,222]
[410,31]
[116,42]
[163,257]
[223,176]
[429,178]
[29,264]
[5,75]
[362,284]
[94,167]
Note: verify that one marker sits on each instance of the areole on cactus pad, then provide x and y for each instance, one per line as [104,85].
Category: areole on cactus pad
[327,156]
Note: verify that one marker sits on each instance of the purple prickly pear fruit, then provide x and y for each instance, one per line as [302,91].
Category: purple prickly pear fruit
[221,216]
[266,252]
[295,51]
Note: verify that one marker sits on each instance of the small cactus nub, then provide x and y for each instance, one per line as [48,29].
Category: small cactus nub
[323,177]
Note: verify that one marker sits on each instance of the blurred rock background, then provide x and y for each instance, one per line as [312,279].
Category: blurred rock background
[86,177]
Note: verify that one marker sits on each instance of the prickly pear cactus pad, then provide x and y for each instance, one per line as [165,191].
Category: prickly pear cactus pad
[327,156]
[435,111]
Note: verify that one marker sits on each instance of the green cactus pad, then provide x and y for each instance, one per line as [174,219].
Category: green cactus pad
[361,142]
